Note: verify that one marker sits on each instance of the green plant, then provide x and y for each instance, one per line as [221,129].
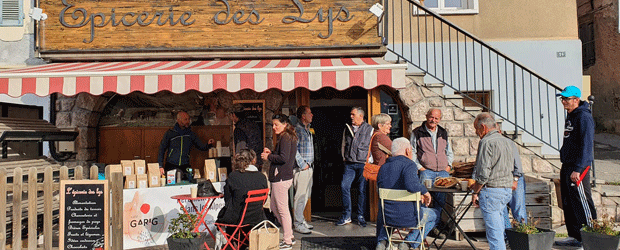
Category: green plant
[604,225]
[182,226]
[526,228]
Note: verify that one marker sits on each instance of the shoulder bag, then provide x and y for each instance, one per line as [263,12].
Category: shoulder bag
[370,170]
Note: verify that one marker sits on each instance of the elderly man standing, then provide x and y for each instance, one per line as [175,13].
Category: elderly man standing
[302,173]
[576,155]
[433,154]
[400,172]
[355,145]
[493,175]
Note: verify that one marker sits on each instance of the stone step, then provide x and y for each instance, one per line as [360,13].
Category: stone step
[454,100]
[418,77]
[534,147]
[553,159]
[514,135]
[474,111]
[435,87]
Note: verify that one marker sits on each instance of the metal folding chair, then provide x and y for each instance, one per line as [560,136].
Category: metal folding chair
[239,236]
[401,196]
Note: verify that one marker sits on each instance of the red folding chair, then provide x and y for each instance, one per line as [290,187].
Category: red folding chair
[240,236]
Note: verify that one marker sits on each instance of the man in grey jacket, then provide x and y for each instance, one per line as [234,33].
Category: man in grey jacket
[355,142]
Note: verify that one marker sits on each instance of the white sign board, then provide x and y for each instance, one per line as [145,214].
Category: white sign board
[147,213]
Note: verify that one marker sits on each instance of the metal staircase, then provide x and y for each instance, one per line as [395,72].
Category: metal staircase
[472,68]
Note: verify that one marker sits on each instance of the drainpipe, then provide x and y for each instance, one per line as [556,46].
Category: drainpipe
[591,101]
[52,144]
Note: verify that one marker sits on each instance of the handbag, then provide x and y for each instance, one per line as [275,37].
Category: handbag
[370,169]
[264,236]
[206,189]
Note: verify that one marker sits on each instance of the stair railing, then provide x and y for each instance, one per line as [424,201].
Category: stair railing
[472,68]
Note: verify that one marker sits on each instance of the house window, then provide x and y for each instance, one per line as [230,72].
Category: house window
[11,13]
[586,35]
[480,99]
[453,6]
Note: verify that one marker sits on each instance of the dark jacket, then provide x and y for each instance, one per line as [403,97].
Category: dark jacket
[235,192]
[355,146]
[177,143]
[576,151]
[425,151]
[400,172]
[282,159]
[251,135]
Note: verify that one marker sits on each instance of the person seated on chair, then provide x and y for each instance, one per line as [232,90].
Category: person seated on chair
[244,177]
[401,173]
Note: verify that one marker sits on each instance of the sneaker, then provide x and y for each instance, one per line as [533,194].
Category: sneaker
[300,228]
[435,233]
[361,221]
[568,241]
[308,226]
[382,245]
[293,241]
[284,246]
[343,222]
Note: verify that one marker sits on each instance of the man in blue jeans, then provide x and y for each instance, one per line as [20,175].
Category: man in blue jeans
[433,155]
[517,203]
[355,142]
[493,176]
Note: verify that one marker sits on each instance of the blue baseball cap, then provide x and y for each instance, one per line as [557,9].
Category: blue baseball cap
[570,91]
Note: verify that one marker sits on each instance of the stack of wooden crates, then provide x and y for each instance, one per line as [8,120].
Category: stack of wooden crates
[537,202]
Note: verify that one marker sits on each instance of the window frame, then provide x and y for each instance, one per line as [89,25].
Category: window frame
[456,11]
[12,22]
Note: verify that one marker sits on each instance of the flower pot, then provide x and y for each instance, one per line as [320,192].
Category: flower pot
[599,241]
[522,241]
[195,243]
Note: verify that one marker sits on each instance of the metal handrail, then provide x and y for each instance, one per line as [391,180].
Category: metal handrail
[473,68]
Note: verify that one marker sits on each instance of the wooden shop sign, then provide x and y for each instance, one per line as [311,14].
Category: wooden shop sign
[91,25]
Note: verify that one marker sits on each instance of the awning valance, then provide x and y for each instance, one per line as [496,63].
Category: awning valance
[205,76]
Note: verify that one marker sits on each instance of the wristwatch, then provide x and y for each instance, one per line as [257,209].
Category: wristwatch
[515,178]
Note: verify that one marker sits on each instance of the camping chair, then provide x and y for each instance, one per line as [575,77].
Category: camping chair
[401,196]
[240,236]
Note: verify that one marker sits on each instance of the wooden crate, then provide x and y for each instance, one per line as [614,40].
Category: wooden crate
[537,202]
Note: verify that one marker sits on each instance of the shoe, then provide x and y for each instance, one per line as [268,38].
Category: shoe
[568,241]
[308,226]
[302,229]
[293,241]
[403,246]
[435,233]
[382,245]
[343,222]
[361,221]
[284,246]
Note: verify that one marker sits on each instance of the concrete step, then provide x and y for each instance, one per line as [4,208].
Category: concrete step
[514,135]
[473,110]
[418,77]
[534,147]
[435,87]
[553,159]
[456,100]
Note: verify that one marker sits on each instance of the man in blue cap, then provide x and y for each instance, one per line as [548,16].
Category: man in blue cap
[576,155]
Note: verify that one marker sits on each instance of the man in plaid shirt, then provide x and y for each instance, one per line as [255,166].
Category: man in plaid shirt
[302,174]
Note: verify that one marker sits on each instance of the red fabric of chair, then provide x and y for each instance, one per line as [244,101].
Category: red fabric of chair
[239,236]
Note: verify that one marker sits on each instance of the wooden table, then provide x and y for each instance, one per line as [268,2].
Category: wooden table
[202,214]
[459,212]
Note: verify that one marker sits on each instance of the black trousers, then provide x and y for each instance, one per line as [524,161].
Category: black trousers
[182,169]
[576,201]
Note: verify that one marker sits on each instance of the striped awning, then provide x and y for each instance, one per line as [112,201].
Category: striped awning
[205,76]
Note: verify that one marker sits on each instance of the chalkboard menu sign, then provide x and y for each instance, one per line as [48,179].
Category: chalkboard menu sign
[254,111]
[84,212]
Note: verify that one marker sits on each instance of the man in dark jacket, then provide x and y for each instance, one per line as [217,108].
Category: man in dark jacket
[355,147]
[400,172]
[247,134]
[576,155]
[176,145]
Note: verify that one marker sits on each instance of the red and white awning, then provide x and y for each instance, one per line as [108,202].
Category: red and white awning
[205,76]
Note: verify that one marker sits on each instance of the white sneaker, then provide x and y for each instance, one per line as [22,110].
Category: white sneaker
[308,226]
[568,241]
[301,228]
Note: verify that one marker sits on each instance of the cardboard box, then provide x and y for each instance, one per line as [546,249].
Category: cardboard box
[222,174]
[130,181]
[171,177]
[154,180]
[139,166]
[142,181]
[127,167]
[153,168]
[210,170]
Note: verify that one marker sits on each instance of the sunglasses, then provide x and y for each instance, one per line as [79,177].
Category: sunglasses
[567,98]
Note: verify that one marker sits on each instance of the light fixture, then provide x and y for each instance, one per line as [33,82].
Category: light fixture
[377,9]
[37,14]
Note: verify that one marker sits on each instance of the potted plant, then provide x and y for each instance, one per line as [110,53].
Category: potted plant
[524,236]
[601,235]
[181,233]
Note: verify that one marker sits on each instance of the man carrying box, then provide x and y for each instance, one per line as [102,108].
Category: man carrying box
[176,145]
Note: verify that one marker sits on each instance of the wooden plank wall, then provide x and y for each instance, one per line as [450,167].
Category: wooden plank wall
[41,199]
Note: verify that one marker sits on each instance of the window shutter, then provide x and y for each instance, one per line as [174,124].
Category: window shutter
[11,13]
